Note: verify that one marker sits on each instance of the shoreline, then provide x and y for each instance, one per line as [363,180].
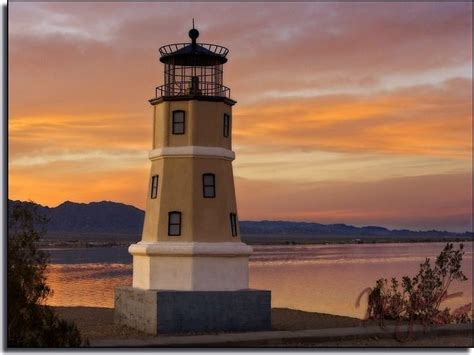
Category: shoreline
[54,243]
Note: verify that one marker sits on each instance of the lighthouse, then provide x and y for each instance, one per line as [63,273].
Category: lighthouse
[190,269]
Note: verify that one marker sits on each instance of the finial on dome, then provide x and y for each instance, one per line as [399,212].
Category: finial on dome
[193,34]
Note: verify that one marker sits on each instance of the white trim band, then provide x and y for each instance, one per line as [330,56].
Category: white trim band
[193,151]
[190,249]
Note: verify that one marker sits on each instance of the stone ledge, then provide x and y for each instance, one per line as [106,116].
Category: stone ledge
[190,249]
[192,151]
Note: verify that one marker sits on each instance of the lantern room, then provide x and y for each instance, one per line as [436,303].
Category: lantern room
[193,69]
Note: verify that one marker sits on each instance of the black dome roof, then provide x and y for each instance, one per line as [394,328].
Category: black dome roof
[193,54]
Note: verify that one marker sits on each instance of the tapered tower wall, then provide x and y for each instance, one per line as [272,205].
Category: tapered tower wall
[179,161]
[203,127]
[180,189]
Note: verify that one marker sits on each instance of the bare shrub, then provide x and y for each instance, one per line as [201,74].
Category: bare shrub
[418,299]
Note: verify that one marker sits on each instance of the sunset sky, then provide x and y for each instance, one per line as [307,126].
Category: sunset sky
[347,113]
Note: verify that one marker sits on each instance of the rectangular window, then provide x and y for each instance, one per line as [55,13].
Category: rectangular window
[226,125]
[154,186]
[178,122]
[209,185]
[174,223]
[233,224]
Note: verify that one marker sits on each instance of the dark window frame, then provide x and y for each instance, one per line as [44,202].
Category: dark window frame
[174,224]
[204,185]
[173,123]
[154,187]
[233,224]
[226,125]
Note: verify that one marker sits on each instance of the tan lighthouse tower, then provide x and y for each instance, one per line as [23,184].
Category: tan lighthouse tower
[190,270]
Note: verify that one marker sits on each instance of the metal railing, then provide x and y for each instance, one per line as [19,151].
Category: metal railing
[184,88]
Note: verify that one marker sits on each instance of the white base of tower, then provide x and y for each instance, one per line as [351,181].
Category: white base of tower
[190,266]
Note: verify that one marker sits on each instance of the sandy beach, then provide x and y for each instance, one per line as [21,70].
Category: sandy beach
[98,323]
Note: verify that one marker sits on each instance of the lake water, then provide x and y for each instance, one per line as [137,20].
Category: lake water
[318,278]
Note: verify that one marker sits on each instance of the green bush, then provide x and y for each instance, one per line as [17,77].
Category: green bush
[30,322]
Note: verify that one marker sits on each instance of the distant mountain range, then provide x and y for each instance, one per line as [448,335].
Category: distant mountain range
[112,221]
[103,217]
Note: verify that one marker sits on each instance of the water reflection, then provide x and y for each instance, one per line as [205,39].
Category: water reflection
[323,278]
[87,284]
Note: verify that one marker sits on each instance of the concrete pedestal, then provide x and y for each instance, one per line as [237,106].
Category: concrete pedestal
[190,266]
[164,311]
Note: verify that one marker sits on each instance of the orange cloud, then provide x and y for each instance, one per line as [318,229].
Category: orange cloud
[37,134]
[85,56]
[427,120]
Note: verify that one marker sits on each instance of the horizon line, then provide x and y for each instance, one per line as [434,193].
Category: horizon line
[261,220]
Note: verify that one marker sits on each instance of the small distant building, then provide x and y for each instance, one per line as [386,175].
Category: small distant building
[190,270]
